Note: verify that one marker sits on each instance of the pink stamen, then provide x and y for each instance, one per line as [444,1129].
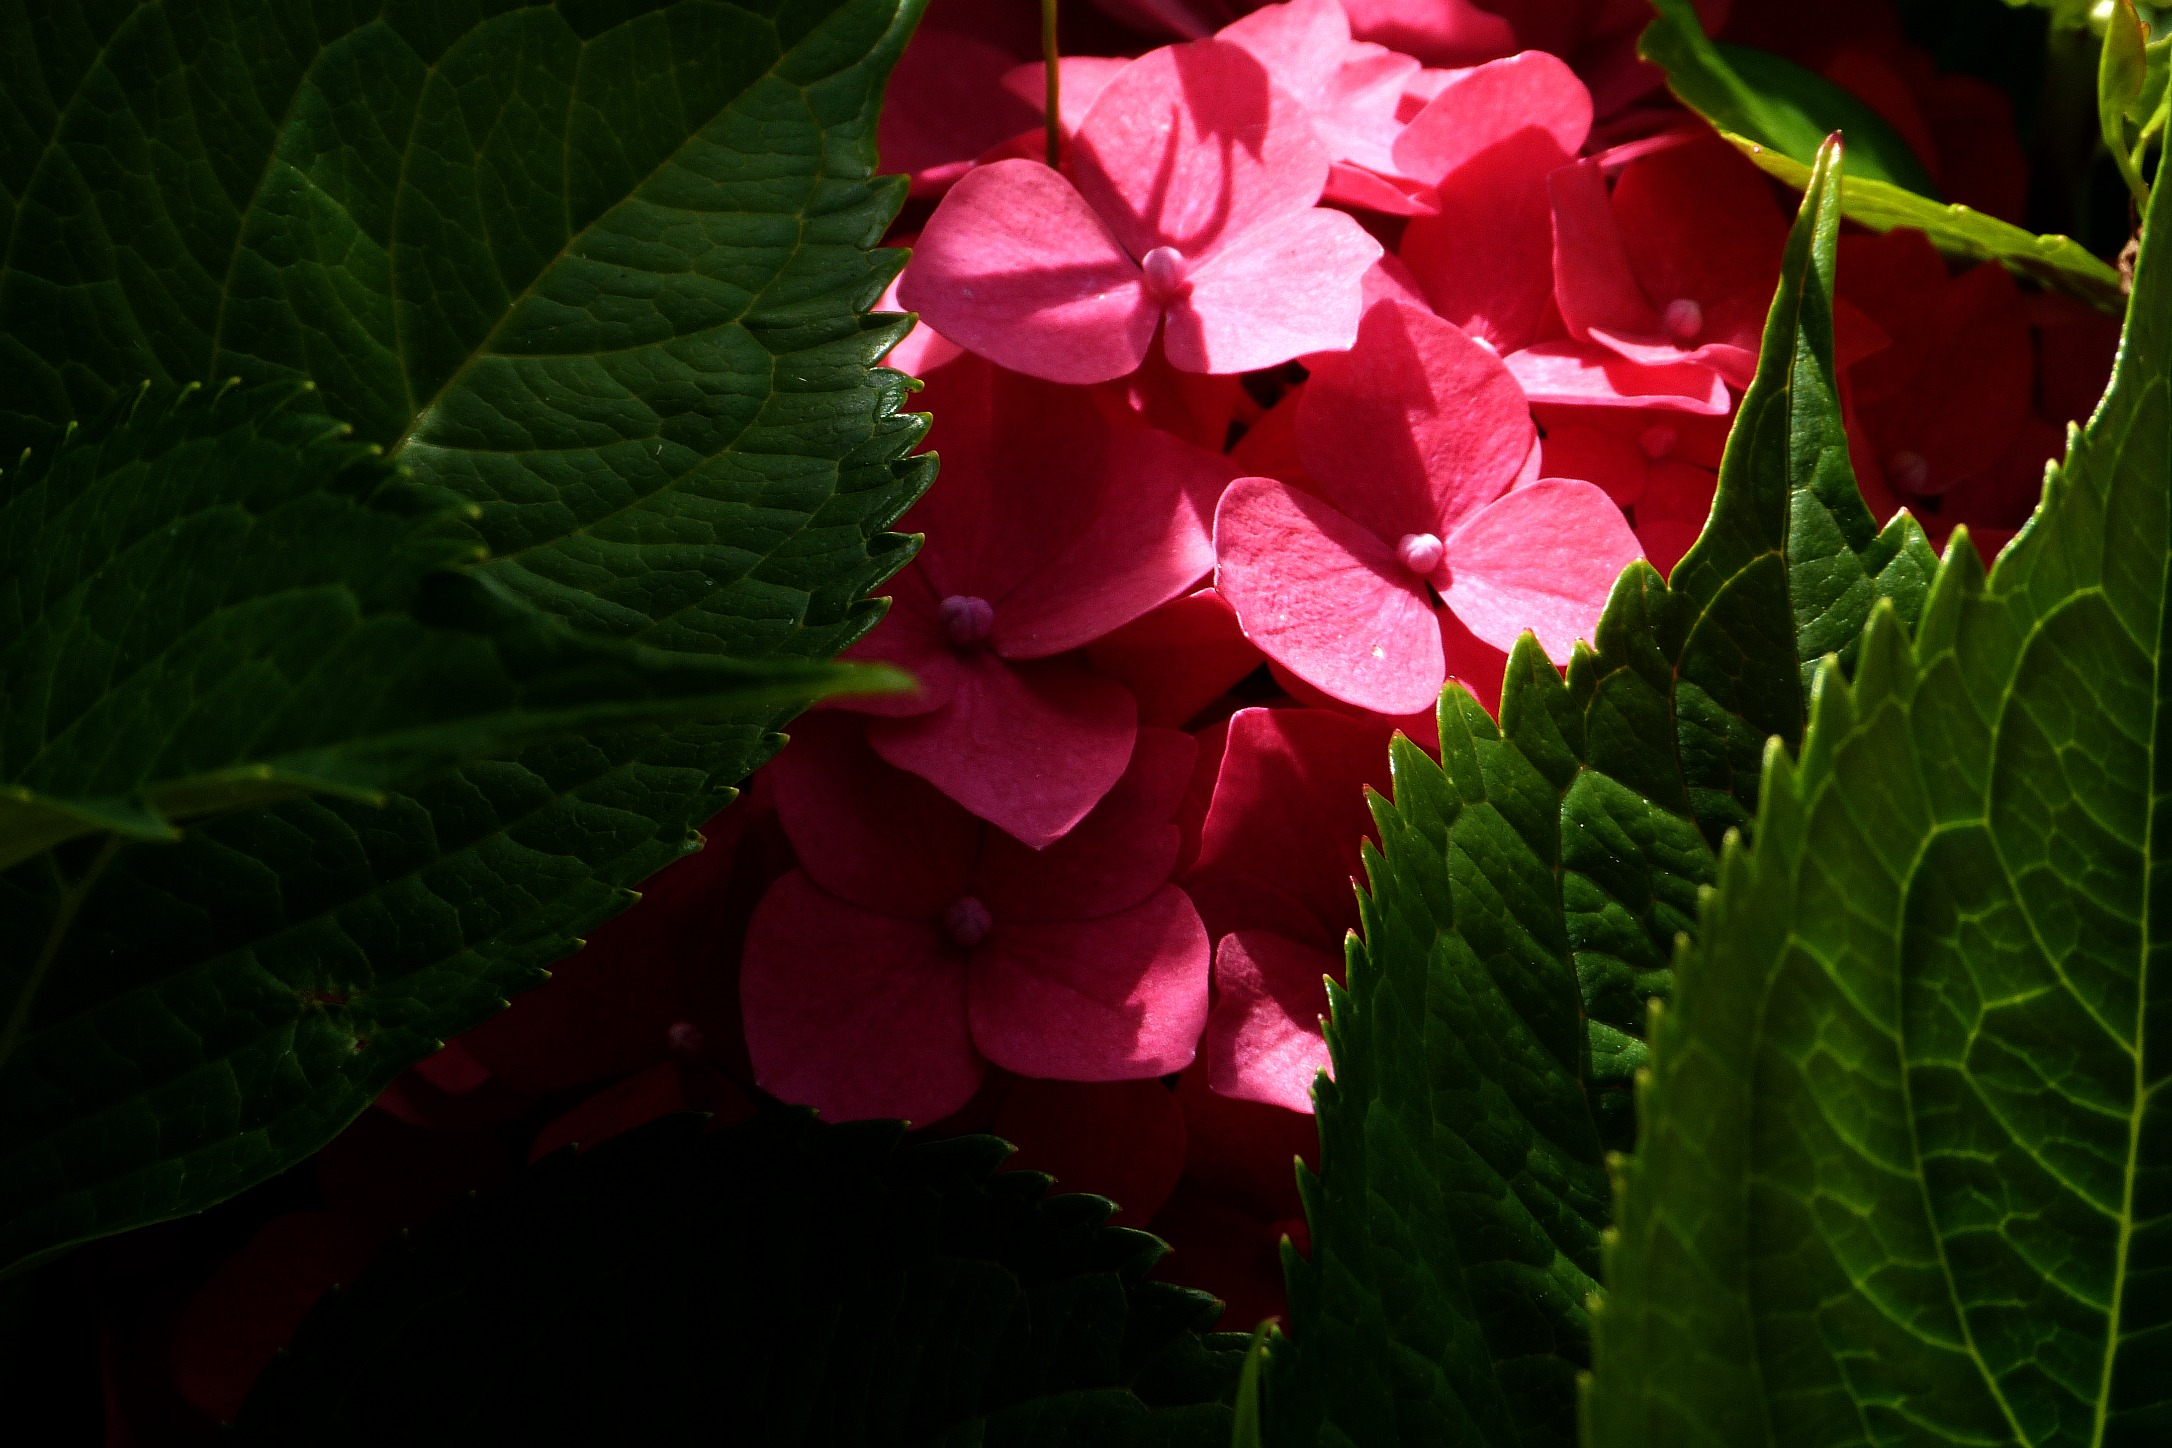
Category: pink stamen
[685,1040]
[1909,471]
[1166,271]
[967,922]
[1684,318]
[966,619]
[1421,552]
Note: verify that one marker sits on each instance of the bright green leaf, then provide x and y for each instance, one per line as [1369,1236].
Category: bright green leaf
[780,1282]
[212,602]
[599,268]
[1774,101]
[1780,129]
[2122,70]
[1905,1165]
[1523,913]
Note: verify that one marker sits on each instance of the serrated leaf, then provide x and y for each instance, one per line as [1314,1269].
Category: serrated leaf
[1780,128]
[1905,1167]
[1523,911]
[599,269]
[212,602]
[780,1282]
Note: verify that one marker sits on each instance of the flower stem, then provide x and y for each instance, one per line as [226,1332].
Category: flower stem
[1048,63]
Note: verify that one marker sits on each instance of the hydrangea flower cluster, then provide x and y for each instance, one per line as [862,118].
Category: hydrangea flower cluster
[1348,340]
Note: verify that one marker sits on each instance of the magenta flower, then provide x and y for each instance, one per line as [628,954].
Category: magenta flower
[916,944]
[1049,526]
[1278,857]
[1675,267]
[1485,146]
[1190,201]
[1353,91]
[1412,441]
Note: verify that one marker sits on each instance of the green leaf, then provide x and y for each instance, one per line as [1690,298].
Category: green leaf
[1523,910]
[2122,70]
[1777,115]
[215,602]
[1774,101]
[780,1282]
[597,267]
[1905,1167]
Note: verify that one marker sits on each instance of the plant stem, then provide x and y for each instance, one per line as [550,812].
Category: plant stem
[71,901]
[1048,63]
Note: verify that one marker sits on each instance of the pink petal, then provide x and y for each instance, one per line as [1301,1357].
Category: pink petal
[1118,855]
[1490,104]
[1179,658]
[945,105]
[1149,538]
[1699,221]
[1264,1040]
[1414,427]
[1080,81]
[1438,32]
[1484,259]
[1123,1140]
[1593,281]
[1357,114]
[248,1309]
[1472,662]
[1112,999]
[1326,597]
[923,349]
[1029,747]
[1586,374]
[1672,511]
[1349,184]
[1191,147]
[911,637]
[1279,848]
[1186,19]
[869,833]
[1067,521]
[1302,44]
[657,1091]
[1613,462]
[1542,558]
[1189,405]
[1273,293]
[1017,267]
[855,1014]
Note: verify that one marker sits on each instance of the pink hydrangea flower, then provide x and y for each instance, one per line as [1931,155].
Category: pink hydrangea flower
[1484,146]
[946,103]
[1278,858]
[1664,466]
[1412,441]
[916,944]
[1677,265]
[1189,208]
[1352,89]
[1049,526]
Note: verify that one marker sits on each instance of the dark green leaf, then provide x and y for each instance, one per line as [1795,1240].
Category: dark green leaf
[1524,909]
[210,602]
[598,268]
[1778,114]
[777,1283]
[1905,1171]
